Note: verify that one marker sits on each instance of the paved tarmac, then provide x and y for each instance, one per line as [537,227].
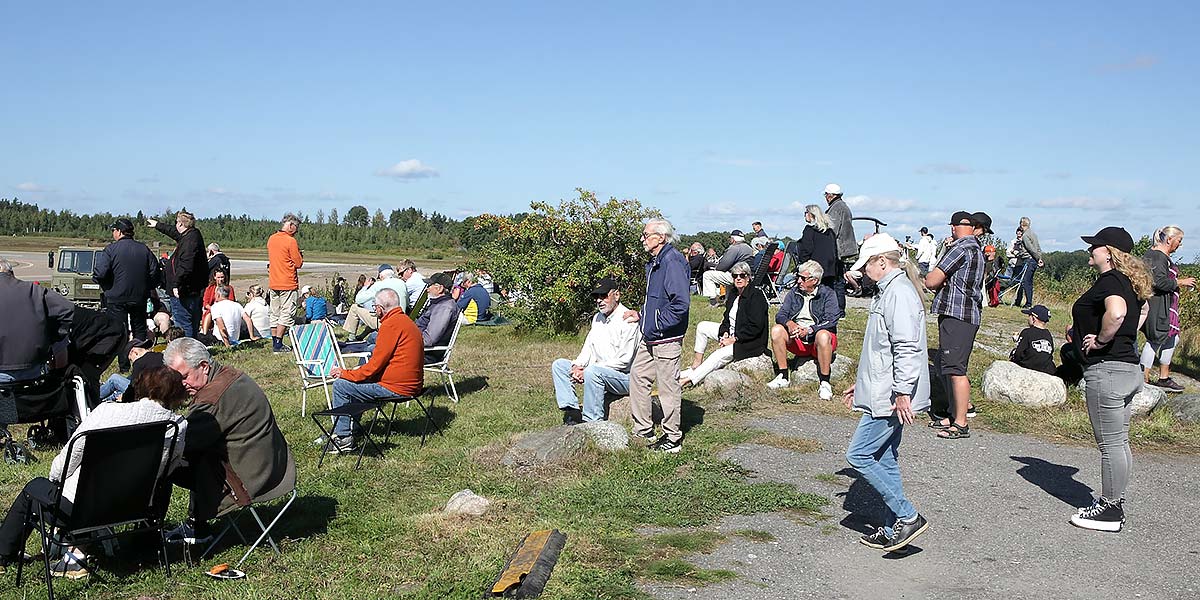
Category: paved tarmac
[998,506]
[32,266]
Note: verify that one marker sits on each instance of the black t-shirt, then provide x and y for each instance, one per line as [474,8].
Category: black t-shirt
[1035,350]
[147,361]
[1089,310]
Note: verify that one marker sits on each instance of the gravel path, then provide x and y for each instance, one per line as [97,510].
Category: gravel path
[997,504]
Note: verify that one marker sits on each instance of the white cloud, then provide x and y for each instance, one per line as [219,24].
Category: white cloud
[944,169]
[868,203]
[1081,202]
[408,169]
[219,191]
[32,187]
[1137,63]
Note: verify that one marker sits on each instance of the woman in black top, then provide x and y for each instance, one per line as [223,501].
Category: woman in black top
[742,333]
[1106,322]
[818,243]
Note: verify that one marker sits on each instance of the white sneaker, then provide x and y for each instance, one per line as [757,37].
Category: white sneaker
[779,382]
[825,392]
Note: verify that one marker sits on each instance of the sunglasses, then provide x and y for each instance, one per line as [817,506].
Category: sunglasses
[741,276]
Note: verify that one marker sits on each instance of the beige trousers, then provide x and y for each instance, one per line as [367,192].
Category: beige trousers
[358,314]
[658,363]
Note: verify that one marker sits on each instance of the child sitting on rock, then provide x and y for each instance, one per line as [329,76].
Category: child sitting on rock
[1035,344]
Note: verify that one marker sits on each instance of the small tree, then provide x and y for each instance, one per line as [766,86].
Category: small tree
[548,262]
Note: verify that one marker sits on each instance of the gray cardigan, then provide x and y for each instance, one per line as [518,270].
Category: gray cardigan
[1158,323]
[1030,240]
[843,228]
[894,358]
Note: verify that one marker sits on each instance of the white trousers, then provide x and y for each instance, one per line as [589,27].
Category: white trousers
[706,331]
[713,280]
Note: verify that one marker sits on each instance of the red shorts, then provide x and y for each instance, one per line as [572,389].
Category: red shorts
[799,348]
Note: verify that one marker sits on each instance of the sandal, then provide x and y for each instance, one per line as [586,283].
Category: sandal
[955,432]
[939,425]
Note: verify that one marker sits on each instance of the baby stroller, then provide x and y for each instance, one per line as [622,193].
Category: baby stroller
[57,396]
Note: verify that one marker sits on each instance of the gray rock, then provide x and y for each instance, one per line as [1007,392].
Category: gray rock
[466,502]
[606,435]
[806,371]
[1006,381]
[725,383]
[753,365]
[1185,407]
[547,447]
[619,411]
[1147,398]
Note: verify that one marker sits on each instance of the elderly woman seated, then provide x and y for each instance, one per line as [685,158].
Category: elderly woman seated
[161,391]
[742,333]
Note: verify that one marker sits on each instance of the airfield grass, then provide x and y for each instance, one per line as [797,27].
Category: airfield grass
[378,532]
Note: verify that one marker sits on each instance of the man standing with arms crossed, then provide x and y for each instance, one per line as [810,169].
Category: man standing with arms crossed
[664,319]
[958,303]
[285,260]
[842,221]
[127,271]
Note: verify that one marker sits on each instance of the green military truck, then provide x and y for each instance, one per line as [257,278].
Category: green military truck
[73,275]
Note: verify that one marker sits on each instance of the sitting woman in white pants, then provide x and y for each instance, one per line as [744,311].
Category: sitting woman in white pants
[742,333]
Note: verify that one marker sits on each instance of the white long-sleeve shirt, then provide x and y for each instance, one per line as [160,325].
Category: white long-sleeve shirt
[927,250]
[611,342]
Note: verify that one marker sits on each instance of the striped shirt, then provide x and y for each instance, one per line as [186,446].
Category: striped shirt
[961,297]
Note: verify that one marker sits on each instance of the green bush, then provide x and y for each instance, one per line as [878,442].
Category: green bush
[547,262]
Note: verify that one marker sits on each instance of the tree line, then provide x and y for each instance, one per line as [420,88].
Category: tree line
[358,228]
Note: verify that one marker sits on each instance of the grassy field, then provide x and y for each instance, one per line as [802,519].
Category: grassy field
[378,532]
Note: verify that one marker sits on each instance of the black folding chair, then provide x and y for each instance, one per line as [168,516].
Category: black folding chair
[396,401]
[121,473]
[352,410]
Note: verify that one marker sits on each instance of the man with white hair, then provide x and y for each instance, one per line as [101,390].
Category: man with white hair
[396,367]
[228,317]
[217,261]
[285,260]
[235,451]
[602,366]
[738,251]
[363,310]
[806,326]
[472,299]
[842,222]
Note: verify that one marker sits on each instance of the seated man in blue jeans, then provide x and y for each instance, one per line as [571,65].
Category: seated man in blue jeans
[602,367]
[396,367]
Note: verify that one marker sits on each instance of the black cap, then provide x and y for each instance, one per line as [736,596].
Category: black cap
[1041,312]
[924,230]
[446,279]
[1116,237]
[982,220]
[123,225]
[385,267]
[737,232]
[960,216]
[137,343]
[603,287]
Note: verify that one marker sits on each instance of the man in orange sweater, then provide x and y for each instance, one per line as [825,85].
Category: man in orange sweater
[284,262]
[395,367]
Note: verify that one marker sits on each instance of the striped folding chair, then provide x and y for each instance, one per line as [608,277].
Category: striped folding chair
[316,353]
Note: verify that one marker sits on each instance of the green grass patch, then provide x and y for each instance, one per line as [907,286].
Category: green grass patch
[755,535]
[688,541]
[677,569]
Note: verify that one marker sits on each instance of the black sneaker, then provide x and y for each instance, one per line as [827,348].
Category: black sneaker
[1102,515]
[69,569]
[649,438]
[189,533]
[280,349]
[1168,385]
[667,446]
[572,416]
[902,535]
[714,302]
[341,445]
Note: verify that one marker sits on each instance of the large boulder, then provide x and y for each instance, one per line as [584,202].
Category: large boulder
[724,383]
[806,370]
[619,411]
[545,448]
[1185,407]
[753,365]
[466,502]
[606,435]
[1007,381]
[1146,400]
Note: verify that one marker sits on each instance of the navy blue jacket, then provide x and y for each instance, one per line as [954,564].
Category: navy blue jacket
[824,309]
[668,297]
[127,271]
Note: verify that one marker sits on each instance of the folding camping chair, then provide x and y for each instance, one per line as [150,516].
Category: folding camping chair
[761,277]
[443,366]
[231,517]
[414,311]
[121,472]
[54,395]
[779,283]
[316,352]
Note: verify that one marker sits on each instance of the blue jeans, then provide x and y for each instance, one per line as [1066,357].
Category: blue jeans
[873,451]
[114,386]
[1025,270]
[597,381]
[22,374]
[186,312]
[345,392]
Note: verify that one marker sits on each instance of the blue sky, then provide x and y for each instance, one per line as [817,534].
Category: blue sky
[1079,115]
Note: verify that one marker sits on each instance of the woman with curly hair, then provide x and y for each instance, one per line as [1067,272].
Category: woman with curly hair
[1106,323]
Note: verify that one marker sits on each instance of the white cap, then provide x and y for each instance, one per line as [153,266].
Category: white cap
[306,289]
[834,189]
[874,246]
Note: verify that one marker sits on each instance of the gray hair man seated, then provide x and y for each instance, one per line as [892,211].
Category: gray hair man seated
[806,326]
[737,252]
[602,367]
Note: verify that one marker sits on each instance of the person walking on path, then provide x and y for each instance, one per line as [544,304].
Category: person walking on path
[664,322]
[842,221]
[1106,323]
[958,302]
[187,272]
[128,272]
[1162,326]
[285,260]
[892,386]
[1029,258]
